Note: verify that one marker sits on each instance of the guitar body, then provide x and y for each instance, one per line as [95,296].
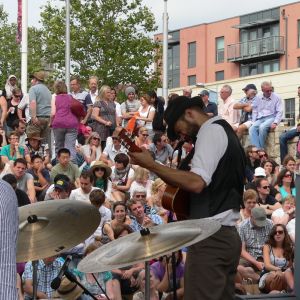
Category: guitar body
[177,201]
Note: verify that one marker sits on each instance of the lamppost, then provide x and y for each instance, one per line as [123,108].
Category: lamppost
[165,51]
[213,95]
[67,50]
[24,46]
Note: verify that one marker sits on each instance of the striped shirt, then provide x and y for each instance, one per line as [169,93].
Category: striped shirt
[9,223]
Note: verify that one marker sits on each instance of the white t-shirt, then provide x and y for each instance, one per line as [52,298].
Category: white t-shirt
[78,194]
[145,114]
[279,212]
[291,227]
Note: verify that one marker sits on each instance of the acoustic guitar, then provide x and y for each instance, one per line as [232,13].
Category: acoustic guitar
[174,199]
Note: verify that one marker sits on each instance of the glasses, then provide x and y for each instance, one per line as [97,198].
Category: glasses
[265,187]
[279,232]
[288,175]
[140,196]
[254,151]
[95,138]
[268,91]
[145,134]
[17,96]
[98,169]
[114,138]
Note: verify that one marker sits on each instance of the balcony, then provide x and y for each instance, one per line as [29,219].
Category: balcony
[270,47]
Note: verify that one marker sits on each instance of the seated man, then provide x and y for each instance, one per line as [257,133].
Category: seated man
[160,147]
[265,200]
[266,114]
[48,269]
[25,180]
[61,188]
[19,127]
[211,108]
[254,233]
[86,181]
[41,176]
[140,218]
[65,166]
[245,105]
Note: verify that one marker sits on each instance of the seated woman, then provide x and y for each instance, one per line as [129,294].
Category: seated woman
[285,213]
[120,217]
[289,163]
[142,139]
[250,201]
[162,269]
[124,278]
[101,173]
[89,282]
[122,177]
[3,141]
[91,151]
[140,295]
[141,179]
[278,257]
[285,183]
[34,147]
[271,171]
[12,151]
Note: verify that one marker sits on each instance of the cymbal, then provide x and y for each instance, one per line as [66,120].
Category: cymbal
[135,248]
[51,227]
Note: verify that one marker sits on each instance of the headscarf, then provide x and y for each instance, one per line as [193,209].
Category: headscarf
[9,88]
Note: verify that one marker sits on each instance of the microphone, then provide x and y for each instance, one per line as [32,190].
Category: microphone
[57,280]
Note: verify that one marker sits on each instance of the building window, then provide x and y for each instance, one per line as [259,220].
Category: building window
[289,105]
[219,75]
[192,80]
[220,49]
[192,55]
[259,68]
[298,33]
[174,66]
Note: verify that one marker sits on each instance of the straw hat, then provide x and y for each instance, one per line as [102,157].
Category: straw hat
[101,164]
[40,75]
[68,290]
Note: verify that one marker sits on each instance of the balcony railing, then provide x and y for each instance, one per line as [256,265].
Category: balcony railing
[263,47]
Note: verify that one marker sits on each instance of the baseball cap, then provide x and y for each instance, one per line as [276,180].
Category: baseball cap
[204,93]
[176,109]
[61,184]
[259,215]
[260,172]
[249,86]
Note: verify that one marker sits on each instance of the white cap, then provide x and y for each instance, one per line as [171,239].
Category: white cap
[260,172]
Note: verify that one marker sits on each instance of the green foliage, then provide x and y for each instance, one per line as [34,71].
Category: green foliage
[109,38]
[10,55]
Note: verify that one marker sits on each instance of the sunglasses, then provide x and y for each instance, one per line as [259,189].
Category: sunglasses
[17,96]
[145,134]
[288,175]
[265,187]
[268,91]
[99,169]
[140,196]
[115,138]
[95,138]
[279,232]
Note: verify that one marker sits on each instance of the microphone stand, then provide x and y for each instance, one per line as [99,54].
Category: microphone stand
[73,278]
[100,286]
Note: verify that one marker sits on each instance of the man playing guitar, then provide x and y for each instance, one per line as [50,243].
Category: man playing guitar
[215,185]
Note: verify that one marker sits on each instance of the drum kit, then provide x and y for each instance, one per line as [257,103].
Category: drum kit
[52,227]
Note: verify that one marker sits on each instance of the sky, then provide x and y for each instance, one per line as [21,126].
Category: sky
[182,13]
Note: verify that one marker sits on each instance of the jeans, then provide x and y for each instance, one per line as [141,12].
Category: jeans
[283,139]
[259,130]
[65,138]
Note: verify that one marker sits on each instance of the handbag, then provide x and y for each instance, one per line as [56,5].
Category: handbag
[77,108]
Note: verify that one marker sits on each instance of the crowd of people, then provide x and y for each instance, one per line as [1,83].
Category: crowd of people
[57,145]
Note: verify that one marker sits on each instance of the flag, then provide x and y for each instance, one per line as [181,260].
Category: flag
[19,22]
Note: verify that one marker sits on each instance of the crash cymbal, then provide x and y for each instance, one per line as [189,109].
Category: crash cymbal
[50,227]
[135,247]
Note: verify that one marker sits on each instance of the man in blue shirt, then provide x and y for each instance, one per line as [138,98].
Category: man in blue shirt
[211,108]
[266,114]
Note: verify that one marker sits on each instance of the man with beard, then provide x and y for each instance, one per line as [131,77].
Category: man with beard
[215,185]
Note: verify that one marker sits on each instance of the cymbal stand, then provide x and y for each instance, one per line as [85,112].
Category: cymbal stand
[147,280]
[98,283]
[34,278]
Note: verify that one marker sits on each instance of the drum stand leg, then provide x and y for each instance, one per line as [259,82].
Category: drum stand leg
[147,280]
[34,278]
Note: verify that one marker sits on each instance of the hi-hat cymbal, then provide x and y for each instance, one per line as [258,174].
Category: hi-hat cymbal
[135,248]
[50,227]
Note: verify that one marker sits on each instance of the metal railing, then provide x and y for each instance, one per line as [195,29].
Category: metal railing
[256,48]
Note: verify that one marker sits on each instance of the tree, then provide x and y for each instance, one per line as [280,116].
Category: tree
[10,61]
[109,38]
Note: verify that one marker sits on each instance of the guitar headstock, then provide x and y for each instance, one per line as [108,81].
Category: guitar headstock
[126,140]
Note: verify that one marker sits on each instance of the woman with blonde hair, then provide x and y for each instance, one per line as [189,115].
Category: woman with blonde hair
[141,178]
[250,201]
[104,114]
[142,139]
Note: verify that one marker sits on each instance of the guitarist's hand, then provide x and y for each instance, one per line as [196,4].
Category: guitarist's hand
[143,159]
